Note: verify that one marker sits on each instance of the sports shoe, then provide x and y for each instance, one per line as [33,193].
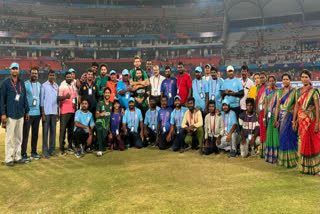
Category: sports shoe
[71,151]
[182,150]
[53,154]
[232,154]
[78,154]
[99,154]
[252,153]
[63,154]
[46,156]
[35,156]
[20,161]
[26,159]
[10,164]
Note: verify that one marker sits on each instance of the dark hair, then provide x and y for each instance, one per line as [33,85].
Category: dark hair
[191,99]
[84,99]
[95,64]
[34,68]
[51,72]
[245,67]
[307,72]
[138,69]
[137,57]
[211,102]
[286,75]
[180,63]
[214,68]
[152,98]
[256,74]
[106,88]
[250,100]
[148,60]
[67,73]
[164,96]
[116,101]
[90,71]
[263,73]
[167,67]
[104,65]
[271,76]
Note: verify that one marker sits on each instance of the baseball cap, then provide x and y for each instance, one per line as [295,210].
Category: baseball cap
[112,72]
[14,65]
[72,70]
[125,72]
[207,65]
[131,99]
[225,101]
[198,69]
[177,97]
[230,68]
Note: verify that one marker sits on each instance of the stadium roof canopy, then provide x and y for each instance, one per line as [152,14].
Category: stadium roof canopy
[246,9]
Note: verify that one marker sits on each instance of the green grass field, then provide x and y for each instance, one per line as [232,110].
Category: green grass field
[153,181]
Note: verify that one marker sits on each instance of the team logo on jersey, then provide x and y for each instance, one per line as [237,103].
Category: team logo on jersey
[94,88]
[84,87]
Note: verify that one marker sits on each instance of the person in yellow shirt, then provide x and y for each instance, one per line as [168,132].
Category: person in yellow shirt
[193,124]
[254,89]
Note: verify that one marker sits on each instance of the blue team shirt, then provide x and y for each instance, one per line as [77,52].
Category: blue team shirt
[169,86]
[152,118]
[85,119]
[235,85]
[198,87]
[132,119]
[177,116]
[229,120]
[115,122]
[164,119]
[215,86]
[122,98]
[33,93]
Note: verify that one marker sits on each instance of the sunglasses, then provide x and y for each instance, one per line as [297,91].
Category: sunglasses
[15,68]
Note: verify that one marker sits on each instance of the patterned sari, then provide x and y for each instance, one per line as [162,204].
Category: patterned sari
[272,141]
[263,131]
[288,150]
[310,141]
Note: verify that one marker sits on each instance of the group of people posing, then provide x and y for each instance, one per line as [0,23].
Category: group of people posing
[97,112]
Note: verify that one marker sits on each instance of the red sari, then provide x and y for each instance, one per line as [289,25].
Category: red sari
[263,130]
[310,141]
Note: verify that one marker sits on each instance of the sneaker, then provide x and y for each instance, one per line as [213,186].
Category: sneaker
[232,154]
[182,150]
[127,146]
[83,150]
[35,156]
[71,151]
[21,161]
[89,150]
[53,154]
[252,153]
[63,154]
[26,159]
[45,156]
[78,154]
[10,164]
[99,154]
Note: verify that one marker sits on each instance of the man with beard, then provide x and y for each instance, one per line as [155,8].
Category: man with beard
[103,114]
[200,91]
[68,102]
[156,81]
[131,122]
[14,109]
[124,90]
[163,126]
[150,122]
[83,79]
[193,125]
[247,84]
[89,91]
[184,84]
[112,84]
[141,94]
[149,68]
[83,129]
[229,141]
[176,131]
[102,80]
[169,87]
[133,78]
[33,88]
[215,85]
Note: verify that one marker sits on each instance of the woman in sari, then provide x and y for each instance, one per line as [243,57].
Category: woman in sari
[272,140]
[306,117]
[288,149]
[260,112]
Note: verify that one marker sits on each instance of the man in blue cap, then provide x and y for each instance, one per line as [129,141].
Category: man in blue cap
[176,131]
[200,91]
[14,109]
[124,90]
[230,138]
[131,122]
[207,74]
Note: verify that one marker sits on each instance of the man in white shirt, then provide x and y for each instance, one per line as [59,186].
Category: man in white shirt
[207,75]
[247,85]
[156,81]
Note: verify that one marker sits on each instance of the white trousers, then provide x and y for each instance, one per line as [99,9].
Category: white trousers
[244,149]
[229,145]
[13,141]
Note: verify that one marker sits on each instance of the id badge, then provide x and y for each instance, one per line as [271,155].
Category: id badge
[225,129]
[155,92]
[34,102]
[117,131]
[74,101]
[178,130]
[17,97]
[153,127]
[212,97]
[260,107]
[90,91]
[249,136]
[164,129]
[127,96]
[178,91]
[269,114]
[170,95]
[132,129]
[201,95]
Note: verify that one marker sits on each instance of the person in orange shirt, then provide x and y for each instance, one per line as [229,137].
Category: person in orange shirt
[112,84]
